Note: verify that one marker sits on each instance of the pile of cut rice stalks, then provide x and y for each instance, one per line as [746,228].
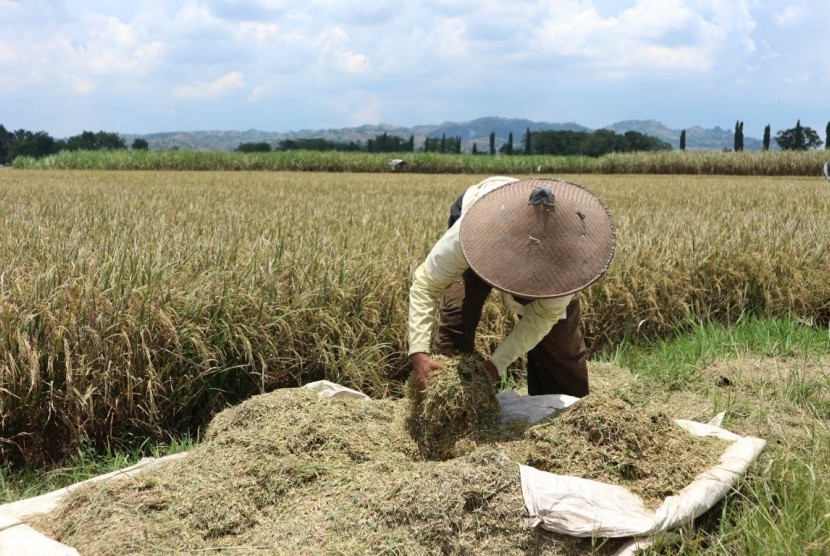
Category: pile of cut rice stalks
[459,401]
[289,472]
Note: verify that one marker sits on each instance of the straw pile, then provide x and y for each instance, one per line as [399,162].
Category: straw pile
[608,440]
[459,401]
[289,472]
[295,474]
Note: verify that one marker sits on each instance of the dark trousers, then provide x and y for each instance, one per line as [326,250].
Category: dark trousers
[556,365]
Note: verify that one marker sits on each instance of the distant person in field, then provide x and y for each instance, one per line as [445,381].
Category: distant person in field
[537,241]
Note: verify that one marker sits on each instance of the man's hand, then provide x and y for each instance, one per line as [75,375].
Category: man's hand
[422,366]
[491,369]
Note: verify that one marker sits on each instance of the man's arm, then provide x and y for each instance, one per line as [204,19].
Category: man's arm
[539,317]
[444,264]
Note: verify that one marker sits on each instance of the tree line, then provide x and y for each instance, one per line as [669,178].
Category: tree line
[36,144]
[551,142]
[547,142]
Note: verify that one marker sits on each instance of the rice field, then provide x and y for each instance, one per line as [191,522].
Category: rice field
[138,304]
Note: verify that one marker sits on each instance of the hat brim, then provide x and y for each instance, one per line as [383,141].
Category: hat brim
[538,251]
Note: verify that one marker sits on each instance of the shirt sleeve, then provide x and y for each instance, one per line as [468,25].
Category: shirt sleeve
[444,264]
[539,316]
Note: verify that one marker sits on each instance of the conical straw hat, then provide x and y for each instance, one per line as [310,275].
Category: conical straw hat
[538,238]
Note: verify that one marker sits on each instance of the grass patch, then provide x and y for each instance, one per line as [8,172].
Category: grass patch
[676,361]
[19,484]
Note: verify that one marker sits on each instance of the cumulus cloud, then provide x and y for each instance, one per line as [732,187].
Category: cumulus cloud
[376,12]
[210,89]
[112,47]
[691,35]
[75,54]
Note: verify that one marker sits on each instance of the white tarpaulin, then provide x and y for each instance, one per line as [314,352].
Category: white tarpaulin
[531,408]
[327,389]
[585,508]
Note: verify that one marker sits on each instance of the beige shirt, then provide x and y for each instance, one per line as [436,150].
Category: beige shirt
[445,264]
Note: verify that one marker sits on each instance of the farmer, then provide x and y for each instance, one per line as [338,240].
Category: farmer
[537,241]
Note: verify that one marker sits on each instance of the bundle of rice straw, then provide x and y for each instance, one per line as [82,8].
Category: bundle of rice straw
[459,400]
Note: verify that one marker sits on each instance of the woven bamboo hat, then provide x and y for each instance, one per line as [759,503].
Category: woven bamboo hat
[538,238]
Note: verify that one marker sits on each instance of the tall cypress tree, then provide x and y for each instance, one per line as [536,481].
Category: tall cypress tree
[527,139]
[5,140]
[827,137]
[492,142]
[683,140]
[739,136]
[766,137]
[742,136]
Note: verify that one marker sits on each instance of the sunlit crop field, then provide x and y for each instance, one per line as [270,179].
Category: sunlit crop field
[136,304]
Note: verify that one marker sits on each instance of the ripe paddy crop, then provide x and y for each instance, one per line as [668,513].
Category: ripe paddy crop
[139,304]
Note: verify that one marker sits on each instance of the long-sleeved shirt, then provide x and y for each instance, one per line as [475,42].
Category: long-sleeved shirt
[445,264]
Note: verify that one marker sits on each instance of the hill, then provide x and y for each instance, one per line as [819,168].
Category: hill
[476,131]
[697,138]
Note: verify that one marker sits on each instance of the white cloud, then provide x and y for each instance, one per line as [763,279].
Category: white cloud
[113,49]
[259,32]
[376,12]
[210,89]
[6,53]
[75,54]
[692,35]
[452,37]
[336,54]
[352,62]
[790,16]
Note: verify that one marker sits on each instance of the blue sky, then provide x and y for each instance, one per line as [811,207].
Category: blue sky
[283,65]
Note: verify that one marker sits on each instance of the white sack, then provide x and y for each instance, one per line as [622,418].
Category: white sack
[585,508]
[327,389]
[531,408]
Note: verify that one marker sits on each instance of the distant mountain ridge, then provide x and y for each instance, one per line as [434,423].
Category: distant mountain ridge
[476,131]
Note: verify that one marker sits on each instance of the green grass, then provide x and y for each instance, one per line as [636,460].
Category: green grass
[678,359]
[19,484]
